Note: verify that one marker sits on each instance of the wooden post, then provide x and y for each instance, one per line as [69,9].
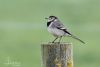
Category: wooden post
[57,55]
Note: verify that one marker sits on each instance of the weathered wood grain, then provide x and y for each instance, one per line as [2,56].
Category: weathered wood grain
[57,55]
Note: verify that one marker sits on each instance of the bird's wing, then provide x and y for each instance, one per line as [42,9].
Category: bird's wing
[60,26]
[65,30]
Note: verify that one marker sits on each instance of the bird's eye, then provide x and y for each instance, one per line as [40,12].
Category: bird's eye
[51,18]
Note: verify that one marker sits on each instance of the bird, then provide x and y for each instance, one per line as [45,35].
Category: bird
[58,30]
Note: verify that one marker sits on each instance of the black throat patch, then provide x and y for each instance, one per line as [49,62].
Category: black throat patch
[48,23]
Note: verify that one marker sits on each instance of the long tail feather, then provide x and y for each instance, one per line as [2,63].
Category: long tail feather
[73,36]
[77,39]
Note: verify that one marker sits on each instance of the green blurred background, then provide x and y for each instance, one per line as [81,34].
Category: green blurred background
[23,29]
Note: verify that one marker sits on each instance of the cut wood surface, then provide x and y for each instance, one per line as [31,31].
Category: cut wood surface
[57,55]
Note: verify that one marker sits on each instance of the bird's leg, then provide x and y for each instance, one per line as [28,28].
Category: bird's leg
[54,39]
[60,39]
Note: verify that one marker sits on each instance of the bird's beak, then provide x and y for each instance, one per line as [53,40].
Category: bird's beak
[46,18]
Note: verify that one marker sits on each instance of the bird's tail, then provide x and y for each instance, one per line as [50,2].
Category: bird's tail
[73,36]
[77,39]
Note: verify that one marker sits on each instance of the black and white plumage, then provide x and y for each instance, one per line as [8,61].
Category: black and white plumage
[56,28]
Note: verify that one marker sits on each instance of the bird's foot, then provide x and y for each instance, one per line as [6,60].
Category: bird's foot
[51,42]
[54,42]
[58,42]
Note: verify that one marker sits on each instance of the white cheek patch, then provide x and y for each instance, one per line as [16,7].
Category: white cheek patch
[62,28]
[49,20]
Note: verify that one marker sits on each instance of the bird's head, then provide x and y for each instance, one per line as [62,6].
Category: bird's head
[51,18]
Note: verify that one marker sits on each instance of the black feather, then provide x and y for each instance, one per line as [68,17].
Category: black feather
[48,23]
[64,30]
[53,17]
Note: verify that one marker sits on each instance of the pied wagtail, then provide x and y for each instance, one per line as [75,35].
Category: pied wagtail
[56,28]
